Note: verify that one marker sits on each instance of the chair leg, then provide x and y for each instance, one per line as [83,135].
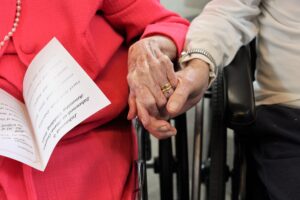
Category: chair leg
[166,168]
[197,152]
[143,154]
[182,168]
[238,177]
[218,142]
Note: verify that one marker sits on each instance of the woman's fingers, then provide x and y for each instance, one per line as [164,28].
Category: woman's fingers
[168,66]
[157,127]
[132,112]
[163,73]
[152,80]
[139,84]
[151,70]
[158,65]
[147,73]
[145,99]
[161,129]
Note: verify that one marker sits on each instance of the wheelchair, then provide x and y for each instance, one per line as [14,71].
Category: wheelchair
[229,105]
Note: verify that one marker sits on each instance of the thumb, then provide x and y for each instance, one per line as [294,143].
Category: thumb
[178,99]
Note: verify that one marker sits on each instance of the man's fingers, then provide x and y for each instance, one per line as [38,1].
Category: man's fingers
[158,128]
[178,99]
[192,83]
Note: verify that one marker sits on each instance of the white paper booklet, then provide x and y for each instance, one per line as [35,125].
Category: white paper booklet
[58,96]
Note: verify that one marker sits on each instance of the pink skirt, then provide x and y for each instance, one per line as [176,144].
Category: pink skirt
[98,164]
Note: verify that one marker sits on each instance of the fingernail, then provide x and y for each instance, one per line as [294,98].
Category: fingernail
[163,128]
[171,133]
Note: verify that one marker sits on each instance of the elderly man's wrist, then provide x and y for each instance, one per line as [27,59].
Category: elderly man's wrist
[204,65]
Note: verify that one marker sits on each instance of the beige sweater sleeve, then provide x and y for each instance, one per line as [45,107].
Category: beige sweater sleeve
[221,29]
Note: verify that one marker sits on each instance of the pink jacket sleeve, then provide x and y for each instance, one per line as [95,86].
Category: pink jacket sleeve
[136,18]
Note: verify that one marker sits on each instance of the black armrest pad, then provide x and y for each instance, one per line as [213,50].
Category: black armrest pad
[238,90]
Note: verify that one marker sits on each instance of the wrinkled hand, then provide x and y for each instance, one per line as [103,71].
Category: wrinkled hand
[193,82]
[150,68]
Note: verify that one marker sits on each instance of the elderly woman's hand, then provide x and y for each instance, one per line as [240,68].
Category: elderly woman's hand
[152,80]
[193,82]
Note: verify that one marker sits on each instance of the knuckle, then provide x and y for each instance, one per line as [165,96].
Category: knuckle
[165,59]
[146,125]
[132,82]
[148,103]
[129,77]
[142,70]
[166,62]
[131,49]
[149,55]
[170,65]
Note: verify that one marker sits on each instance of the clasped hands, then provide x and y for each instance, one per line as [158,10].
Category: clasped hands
[157,92]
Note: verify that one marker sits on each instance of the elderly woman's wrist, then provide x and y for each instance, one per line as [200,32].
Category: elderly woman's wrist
[166,45]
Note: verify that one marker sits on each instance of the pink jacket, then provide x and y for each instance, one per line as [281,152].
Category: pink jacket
[94,32]
[98,162]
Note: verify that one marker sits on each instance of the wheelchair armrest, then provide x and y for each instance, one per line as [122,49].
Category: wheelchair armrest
[238,90]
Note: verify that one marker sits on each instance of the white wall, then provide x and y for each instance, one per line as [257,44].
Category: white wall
[185,8]
[195,3]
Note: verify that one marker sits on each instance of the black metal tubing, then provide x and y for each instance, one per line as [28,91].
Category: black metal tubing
[182,157]
[165,165]
[143,148]
[197,153]
[218,135]
[166,168]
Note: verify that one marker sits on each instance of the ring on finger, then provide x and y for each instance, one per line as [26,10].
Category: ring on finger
[166,88]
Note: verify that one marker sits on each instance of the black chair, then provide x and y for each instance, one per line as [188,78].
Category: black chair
[231,105]
[166,164]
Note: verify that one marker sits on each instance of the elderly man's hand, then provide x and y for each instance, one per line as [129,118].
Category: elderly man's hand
[193,82]
[152,80]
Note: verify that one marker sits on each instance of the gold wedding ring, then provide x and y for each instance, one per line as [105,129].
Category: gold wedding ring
[166,88]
